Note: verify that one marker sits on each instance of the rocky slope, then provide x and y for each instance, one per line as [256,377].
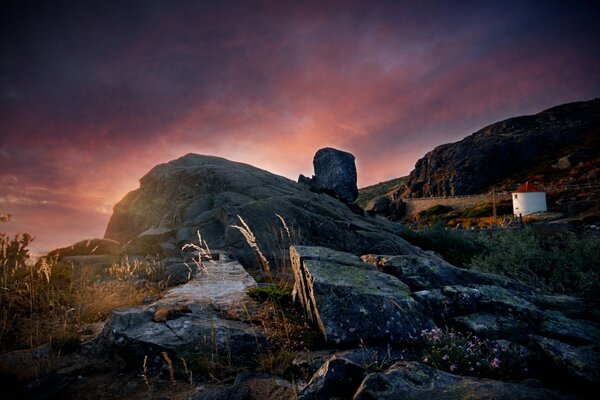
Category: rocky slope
[207,194]
[494,152]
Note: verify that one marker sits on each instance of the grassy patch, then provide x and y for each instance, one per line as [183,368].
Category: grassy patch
[52,303]
[438,209]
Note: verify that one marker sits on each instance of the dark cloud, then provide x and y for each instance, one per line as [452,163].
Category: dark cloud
[94,94]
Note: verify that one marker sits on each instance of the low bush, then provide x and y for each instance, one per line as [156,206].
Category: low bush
[563,263]
[458,248]
[438,209]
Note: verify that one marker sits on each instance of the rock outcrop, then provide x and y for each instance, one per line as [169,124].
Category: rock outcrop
[206,194]
[391,299]
[492,153]
[351,301]
[410,380]
[335,174]
[189,322]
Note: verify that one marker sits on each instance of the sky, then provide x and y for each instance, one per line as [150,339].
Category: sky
[94,94]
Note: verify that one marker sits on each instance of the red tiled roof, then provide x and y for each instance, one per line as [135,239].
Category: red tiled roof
[527,187]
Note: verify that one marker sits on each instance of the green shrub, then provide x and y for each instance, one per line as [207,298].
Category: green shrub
[458,248]
[438,209]
[563,263]
[280,295]
[487,210]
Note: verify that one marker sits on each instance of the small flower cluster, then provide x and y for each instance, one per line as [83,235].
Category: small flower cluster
[468,355]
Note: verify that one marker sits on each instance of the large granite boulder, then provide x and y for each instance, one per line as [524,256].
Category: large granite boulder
[206,194]
[335,174]
[189,322]
[351,301]
[411,380]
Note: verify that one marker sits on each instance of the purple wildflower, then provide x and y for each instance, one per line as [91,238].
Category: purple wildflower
[495,363]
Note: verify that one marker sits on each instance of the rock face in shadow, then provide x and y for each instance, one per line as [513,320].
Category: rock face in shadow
[188,322]
[206,193]
[467,166]
[411,380]
[351,301]
[335,174]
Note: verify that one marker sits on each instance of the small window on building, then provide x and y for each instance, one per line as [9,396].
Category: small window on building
[516,196]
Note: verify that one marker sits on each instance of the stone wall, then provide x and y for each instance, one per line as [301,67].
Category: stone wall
[415,205]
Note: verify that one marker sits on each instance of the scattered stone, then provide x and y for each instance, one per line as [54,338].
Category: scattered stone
[411,380]
[351,301]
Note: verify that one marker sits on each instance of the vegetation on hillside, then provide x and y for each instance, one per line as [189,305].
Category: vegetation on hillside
[368,193]
[458,248]
[47,302]
[562,263]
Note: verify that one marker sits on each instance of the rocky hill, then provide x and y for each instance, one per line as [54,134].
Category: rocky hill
[513,148]
[207,194]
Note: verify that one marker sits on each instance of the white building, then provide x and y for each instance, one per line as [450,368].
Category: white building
[528,200]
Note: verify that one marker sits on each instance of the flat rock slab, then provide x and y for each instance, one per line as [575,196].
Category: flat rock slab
[575,331]
[411,380]
[427,271]
[351,301]
[581,364]
[220,285]
[187,322]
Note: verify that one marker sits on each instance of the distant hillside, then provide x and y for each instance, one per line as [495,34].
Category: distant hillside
[369,192]
[505,148]
[557,146]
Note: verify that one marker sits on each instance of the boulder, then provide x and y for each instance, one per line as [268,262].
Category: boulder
[351,301]
[427,271]
[574,331]
[337,378]
[189,322]
[575,367]
[152,241]
[411,380]
[335,174]
[451,301]
[492,326]
[88,248]
[571,307]
[204,193]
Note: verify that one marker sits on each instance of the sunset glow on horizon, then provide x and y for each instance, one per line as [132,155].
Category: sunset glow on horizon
[92,96]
